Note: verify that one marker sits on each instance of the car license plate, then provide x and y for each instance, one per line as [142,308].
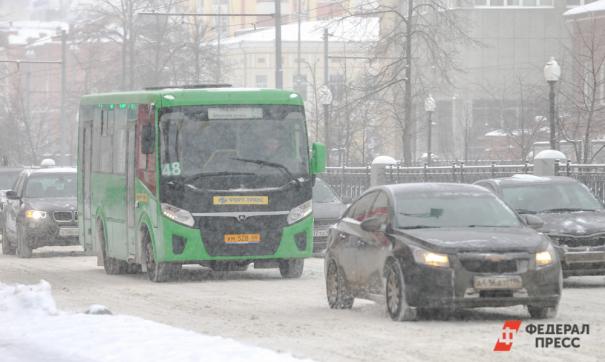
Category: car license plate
[498,282]
[69,232]
[320,233]
[241,238]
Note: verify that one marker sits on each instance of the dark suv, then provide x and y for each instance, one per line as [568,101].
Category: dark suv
[40,211]
[573,218]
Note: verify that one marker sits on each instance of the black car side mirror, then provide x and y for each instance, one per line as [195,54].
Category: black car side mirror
[372,224]
[12,195]
[533,221]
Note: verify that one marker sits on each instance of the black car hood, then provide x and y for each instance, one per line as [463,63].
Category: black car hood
[515,239]
[328,210]
[53,204]
[573,223]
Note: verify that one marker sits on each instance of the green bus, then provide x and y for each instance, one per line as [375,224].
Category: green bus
[215,176]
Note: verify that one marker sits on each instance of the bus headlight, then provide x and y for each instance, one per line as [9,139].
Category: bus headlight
[35,214]
[179,215]
[299,212]
[545,257]
[429,258]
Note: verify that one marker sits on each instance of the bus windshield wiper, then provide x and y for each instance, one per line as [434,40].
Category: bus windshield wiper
[525,211]
[418,227]
[566,209]
[210,174]
[285,170]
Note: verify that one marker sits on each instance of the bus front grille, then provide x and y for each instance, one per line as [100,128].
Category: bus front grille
[214,228]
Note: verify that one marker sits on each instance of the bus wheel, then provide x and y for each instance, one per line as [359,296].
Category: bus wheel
[291,268]
[158,272]
[111,265]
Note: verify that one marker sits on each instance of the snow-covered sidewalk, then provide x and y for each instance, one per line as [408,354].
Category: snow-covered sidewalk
[33,329]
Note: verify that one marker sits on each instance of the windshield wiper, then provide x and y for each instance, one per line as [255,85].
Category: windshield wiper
[419,227]
[279,166]
[487,226]
[525,211]
[210,174]
[566,209]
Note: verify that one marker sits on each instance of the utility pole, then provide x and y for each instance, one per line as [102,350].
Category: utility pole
[62,125]
[279,72]
[298,75]
[219,30]
[326,104]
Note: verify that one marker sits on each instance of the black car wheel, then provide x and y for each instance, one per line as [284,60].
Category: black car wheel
[7,248]
[24,250]
[397,305]
[158,272]
[111,265]
[291,268]
[539,312]
[339,295]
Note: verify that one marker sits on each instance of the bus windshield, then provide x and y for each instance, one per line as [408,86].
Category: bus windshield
[230,146]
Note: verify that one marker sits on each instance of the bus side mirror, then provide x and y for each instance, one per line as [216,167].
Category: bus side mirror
[318,159]
[147,140]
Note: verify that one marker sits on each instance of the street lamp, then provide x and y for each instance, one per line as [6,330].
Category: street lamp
[552,73]
[429,107]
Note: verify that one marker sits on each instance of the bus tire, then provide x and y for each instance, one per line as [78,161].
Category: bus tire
[291,268]
[111,265]
[158,272]
[24,250]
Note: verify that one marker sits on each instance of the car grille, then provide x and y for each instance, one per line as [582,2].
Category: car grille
[63,216]
[213,229]
[488,266]
[585,241]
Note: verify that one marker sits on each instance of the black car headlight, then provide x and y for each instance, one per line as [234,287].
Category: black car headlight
[546,257]
[35,214]
[429,258]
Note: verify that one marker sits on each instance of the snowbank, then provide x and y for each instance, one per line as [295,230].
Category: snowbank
[32,329]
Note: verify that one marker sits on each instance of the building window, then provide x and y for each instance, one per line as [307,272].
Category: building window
[299,83]
[337,86]
[261,81]
[261,61]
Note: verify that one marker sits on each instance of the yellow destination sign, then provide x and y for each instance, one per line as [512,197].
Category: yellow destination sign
[240,200]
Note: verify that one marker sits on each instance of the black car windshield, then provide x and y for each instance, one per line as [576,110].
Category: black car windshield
[216,146]
[51,185]
[8,178]
[322,193]
[452,209]
[550,197]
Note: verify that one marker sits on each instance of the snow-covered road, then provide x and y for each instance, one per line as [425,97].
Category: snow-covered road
[260,308]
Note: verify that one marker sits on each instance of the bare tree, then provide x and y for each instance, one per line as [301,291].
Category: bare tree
[416,35]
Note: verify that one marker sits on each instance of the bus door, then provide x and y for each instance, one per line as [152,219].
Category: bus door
[86,168]
[130,189]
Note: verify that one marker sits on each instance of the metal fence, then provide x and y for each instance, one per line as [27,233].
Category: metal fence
[350,182]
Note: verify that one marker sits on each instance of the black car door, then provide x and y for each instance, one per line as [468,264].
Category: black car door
[349,236]
[374,247]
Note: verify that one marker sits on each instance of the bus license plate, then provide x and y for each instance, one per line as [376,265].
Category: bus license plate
[498,282]
[69,232]
[242,238]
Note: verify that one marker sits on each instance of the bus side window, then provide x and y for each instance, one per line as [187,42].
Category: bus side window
[145,162]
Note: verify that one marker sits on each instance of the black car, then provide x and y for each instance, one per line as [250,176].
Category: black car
[327,209]
[40,211]
[432,248]
[573,218]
